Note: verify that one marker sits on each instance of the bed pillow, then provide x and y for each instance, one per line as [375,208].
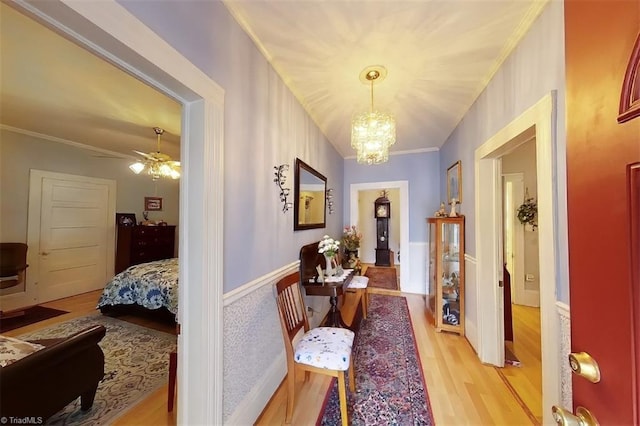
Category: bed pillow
[12,349]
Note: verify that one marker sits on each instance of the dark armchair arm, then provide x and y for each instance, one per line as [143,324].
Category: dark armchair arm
[46,381]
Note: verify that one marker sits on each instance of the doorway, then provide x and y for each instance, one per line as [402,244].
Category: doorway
[70,233]
[536,122]
[403,213]
[110,31]
[523,370]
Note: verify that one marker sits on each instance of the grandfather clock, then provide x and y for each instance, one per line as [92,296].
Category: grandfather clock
[382,210]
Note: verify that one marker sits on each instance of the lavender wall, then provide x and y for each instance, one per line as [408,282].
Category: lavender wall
[265,126]
[421,170]
[533,70]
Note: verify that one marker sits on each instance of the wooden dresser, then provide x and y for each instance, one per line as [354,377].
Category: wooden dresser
[140,244]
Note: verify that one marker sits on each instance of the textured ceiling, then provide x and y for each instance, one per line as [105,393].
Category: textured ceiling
[53,87]
[439,55]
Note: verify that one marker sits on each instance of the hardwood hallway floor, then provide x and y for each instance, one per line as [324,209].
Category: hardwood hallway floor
[526,379]
[462,391]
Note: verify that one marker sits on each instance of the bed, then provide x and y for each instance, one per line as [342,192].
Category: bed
[150,287]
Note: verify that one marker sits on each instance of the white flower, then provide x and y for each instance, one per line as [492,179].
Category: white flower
[328,246]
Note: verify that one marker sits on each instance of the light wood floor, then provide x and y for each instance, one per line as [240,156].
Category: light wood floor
[462,391]
[526,380]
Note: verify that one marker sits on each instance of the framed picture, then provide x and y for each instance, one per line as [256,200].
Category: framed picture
[153,203]
[126,219]
[454,182]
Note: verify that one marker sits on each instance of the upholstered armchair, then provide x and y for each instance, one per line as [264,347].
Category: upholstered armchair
[49,374]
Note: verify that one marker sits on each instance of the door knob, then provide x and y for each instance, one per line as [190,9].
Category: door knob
[45,253]
[585,366]
[583,417]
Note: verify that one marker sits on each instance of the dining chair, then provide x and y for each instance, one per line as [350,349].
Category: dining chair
[324,350]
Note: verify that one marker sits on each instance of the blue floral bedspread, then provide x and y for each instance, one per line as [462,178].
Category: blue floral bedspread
[152,285]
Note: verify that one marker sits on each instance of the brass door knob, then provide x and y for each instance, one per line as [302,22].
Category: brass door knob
[583,417]
[585,366]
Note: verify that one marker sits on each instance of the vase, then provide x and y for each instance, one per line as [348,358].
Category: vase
[329,269]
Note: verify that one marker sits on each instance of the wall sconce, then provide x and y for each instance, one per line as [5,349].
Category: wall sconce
[329,195]
[280,180]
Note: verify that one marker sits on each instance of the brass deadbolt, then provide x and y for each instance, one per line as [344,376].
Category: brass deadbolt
[585,366]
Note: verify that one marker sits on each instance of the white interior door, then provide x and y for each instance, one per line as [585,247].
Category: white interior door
[71,234]
[513,192]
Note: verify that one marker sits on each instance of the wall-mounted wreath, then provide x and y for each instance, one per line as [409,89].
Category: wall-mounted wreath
[528,213]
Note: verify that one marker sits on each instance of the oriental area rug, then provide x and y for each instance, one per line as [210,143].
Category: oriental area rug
[381,277]
[390,387]
[136,364]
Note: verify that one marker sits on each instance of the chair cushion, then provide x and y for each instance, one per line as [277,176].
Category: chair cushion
[325,347]
[11,350]
[359,282]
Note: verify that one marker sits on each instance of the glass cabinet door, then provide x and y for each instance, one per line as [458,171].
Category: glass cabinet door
[431,286]
[451,273]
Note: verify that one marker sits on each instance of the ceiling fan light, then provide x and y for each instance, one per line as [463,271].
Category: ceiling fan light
[165,169]
[156,164]
[137,168]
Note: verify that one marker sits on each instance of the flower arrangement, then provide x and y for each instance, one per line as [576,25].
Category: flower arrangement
[351,238]
[528,212]
[328,246]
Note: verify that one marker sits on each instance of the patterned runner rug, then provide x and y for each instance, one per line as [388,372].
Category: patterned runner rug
[382,277]
[136,364]
[390,388]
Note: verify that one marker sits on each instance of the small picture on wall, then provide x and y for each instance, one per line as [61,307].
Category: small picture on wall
[153,203]
[126,219]
[454,182]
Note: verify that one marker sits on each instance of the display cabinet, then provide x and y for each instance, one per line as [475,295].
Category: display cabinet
[445,298]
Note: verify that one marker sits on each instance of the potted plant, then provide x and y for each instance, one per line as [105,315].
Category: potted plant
[351,241]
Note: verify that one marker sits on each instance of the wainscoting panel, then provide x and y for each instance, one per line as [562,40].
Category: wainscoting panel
[417,282]
[254,360]
[564,318]
[471,301]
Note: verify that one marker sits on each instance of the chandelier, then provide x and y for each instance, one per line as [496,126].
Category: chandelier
[373,132]
[157,164]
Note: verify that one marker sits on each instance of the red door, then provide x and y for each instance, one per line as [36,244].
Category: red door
[599,39]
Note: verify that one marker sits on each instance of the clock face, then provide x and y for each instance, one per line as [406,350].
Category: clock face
[382,211]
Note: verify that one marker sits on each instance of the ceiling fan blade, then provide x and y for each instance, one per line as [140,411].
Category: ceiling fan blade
[108,156]
[145,155]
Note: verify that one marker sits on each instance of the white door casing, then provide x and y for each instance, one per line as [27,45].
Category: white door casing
[72,249]
[537,121]
[403,186]
[70,236]
[110,31]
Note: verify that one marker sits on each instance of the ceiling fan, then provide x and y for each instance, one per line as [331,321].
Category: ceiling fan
[156,164]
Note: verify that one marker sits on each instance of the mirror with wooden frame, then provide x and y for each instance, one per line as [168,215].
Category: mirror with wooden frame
[309,205]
